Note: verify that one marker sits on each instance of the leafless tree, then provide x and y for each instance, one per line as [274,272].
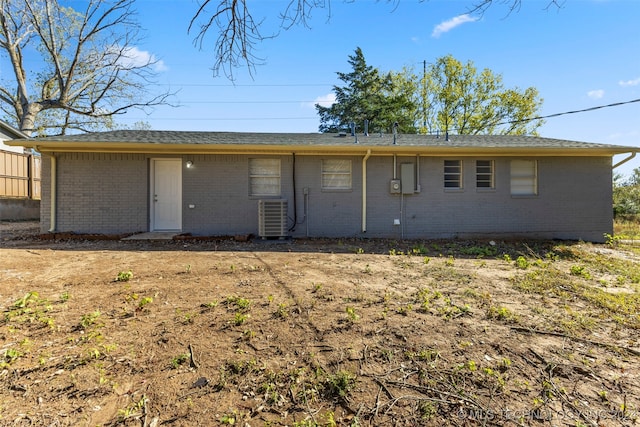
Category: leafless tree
[481,6]
[72,70]
[239,32]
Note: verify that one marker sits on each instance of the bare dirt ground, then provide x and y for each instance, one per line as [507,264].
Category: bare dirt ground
[316,332]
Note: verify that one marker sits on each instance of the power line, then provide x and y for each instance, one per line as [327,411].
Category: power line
[584,110]
[251,102]
[219,119]
[230,85]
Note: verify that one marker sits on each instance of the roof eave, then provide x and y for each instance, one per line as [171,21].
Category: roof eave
[353,149]
[15,134]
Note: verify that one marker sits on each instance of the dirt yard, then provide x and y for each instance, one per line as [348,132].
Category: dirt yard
[316,333]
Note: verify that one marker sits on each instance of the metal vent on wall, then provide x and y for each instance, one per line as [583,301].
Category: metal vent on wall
[272,218]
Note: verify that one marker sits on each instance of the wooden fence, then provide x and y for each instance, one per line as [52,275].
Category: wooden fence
[20,175]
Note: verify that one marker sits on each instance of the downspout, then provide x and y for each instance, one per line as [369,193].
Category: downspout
[54,196]
[293,184]
[364,190]
[417,188]
[623,161]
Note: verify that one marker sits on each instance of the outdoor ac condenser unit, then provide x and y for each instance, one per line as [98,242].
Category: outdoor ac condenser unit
[272,218]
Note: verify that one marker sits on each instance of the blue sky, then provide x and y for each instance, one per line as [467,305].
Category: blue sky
[584,55]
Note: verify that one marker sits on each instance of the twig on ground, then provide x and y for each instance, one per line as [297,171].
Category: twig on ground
[583,340]
[192,358]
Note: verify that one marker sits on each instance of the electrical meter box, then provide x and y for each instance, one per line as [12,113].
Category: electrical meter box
[394,186]
[408,178]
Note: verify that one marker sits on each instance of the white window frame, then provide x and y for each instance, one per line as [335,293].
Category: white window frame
[264,177]
[336,175]
[524,177]
[451,175]
[485,178]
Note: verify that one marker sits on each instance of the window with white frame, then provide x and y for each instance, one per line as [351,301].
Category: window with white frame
[264,177]
[484,174]
[524,177]
[336,174]
[452,174]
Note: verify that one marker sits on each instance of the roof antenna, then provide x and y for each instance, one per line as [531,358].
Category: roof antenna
[437,133]
[353,128]
[366,127]
[395,132]
[446,136]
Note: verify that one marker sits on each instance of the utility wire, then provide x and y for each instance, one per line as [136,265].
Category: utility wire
[220,119]
[246,85]
[615,104]
[584,110]
[251,102]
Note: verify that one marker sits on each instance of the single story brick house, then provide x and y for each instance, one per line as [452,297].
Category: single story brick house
[275,185]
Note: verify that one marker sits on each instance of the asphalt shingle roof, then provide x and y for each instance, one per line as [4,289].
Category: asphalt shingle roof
[317,139]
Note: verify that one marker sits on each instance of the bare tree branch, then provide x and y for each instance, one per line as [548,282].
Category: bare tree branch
[89,65]
[239,33]
[513,6]
[299,11]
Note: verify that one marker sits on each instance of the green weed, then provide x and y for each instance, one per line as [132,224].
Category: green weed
[30,309]
[480,251]
[405,310]
[283,311]
[211,304]
[427,410]
[228,419]
[90,320]
[522,263]
[124,276]
[10,355]
[179,360]
[501,313]
[351,314]
[581,271]
[426,355]
[27,299]
[133,411]
[186,317]
[144,302]
[612,240]
[240,318]
[240,303]
[340,384]
[65,296]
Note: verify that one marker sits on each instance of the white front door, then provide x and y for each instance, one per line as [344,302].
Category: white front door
[166,194]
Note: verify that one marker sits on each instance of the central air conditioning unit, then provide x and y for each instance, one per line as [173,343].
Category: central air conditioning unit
[272,218]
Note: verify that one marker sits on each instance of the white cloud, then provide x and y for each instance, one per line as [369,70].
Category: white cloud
[134,57]
[452,23]
[324,100]
[595,94]
[634,82]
